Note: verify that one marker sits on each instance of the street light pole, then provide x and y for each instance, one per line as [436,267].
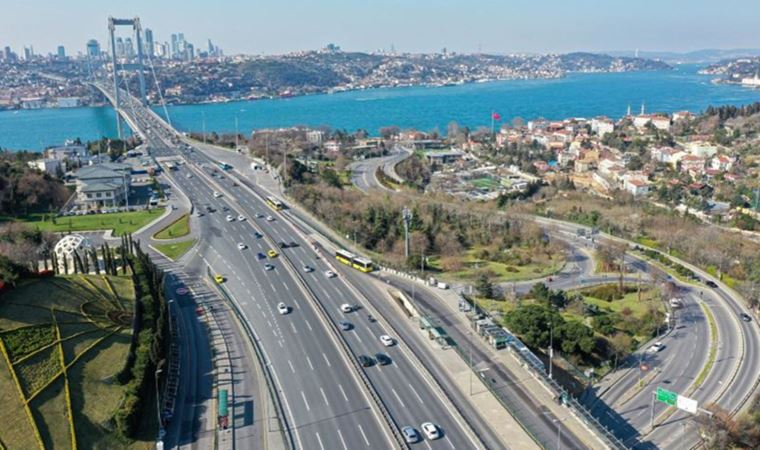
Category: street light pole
[158,401]
[551,347]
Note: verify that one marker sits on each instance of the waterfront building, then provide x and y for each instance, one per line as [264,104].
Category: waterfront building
[69,102]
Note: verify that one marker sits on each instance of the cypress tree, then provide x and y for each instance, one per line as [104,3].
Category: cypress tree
[65,265]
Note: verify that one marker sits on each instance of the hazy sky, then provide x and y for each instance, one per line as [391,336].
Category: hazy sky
[497,26]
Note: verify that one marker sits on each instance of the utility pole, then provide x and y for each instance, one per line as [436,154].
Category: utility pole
[551,347]
[407,216]
[236,134]
[203,120]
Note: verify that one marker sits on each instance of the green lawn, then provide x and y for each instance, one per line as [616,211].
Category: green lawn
[175,250]
[27,313]
[120,223]
[178,228]
[485,183]
[502,272]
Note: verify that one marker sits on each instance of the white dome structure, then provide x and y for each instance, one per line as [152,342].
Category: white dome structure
[65,248]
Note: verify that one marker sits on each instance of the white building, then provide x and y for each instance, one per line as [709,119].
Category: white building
[602,125]
[636,185]
[723,163]
[103,184]
[51,166]
[701,149]
[315,137]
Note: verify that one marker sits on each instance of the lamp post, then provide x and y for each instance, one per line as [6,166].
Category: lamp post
[559,432]
[159,370]
[551,346]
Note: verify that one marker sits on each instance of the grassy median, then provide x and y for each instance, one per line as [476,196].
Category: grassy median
[178,228]
[175,250]
[120,223]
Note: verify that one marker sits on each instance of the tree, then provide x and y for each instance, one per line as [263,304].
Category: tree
[576,338]
[484,285]
[621,344]
[533,322]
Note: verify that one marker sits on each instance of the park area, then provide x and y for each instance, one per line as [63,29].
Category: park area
[62,341]
[516,264]
[119,223]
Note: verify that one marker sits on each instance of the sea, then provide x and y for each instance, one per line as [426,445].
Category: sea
[422,108]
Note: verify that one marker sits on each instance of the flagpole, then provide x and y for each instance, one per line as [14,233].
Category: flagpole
[492,124]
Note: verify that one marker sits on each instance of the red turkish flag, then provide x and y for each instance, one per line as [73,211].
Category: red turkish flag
[495,116]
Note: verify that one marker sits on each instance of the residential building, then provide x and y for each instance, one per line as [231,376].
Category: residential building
[602,125]
[104,184]
[51,166]
[722,163]
[693,164]
[701,148]
[315,137]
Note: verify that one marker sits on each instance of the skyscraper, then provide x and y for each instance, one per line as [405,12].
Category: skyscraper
[27,53]
[93,49]
[61,52]
[189,51]
[119,47]
[149,48]
[174,49]
[129,49]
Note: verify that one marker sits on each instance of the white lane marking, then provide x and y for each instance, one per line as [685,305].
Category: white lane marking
[327,402]
[286,287]
[319,439]
[340,435]
[416,394]
[360,339]
[305,402]
[345,397]
[263,314]
[270,324]
[361,430]
[450,444]
[327,361]
[293,327]
[308,325]
[398,398]
[428,445]
[280,342]
[291,367]
[310,364]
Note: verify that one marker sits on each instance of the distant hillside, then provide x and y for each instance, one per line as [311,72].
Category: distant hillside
[694,57]
[734,70]
[324,71]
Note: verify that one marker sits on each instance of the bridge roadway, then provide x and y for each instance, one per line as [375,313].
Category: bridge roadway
[326,406]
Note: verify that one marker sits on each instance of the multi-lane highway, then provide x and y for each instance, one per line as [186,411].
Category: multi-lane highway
[325,401]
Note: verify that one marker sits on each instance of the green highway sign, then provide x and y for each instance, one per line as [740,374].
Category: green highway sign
[667,397]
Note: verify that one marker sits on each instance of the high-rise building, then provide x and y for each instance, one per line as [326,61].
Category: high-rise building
[129,49]
[28,53]
[189,51]
[174,47]
[61,52]
[7,53]
[119,47]
[210,48]
[149,47]
[93,49]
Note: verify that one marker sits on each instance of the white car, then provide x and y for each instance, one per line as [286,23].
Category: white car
[282,308]
[230,218]
[430,430]
[330,274]
[217,194]
[656,347]
[387,340]
[270,218]
[189,175]
[259,215]
[346,308]
[268,267]
[241,217]
[241,246]
[308,269]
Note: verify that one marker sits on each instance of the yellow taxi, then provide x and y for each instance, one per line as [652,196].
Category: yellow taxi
[272,254]
[219,279]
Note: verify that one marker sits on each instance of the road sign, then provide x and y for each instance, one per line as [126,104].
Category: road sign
[687,404]
[182,291]
[667,397]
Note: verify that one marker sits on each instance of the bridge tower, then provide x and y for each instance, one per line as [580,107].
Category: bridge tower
[135,24]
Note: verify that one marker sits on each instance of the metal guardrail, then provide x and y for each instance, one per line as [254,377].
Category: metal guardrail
[281,419]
